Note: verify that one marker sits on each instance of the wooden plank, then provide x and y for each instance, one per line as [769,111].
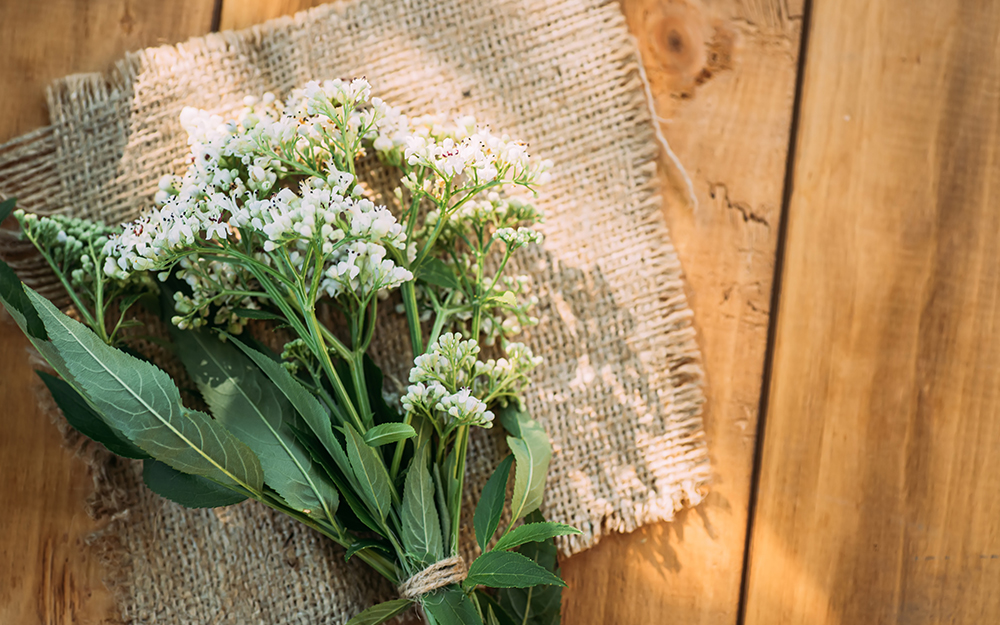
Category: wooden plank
[877,499]
[243,13]
[729,124]
[46,574]
[723,76]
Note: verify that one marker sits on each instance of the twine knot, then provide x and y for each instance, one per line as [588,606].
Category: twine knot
[438,575]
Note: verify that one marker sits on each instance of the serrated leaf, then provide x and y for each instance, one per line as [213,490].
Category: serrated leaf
[490,506]
[6,208]
[370,472]
[366,543]
[249,313]
[381,612]
[539,605]
[15,300]
[143,403]
[388,433]
[346,487]
[251,407]
[305,403]
[85,419]
[533,452]
[437,272]
[190,491]
[533,533]
[507,569]
[421,524]
[451,606]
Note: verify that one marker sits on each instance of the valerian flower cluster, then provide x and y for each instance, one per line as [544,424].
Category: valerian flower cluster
[271,222]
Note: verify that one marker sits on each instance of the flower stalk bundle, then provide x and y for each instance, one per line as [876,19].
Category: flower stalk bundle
[272,222]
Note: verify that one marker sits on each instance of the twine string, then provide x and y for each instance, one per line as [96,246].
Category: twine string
[438,575]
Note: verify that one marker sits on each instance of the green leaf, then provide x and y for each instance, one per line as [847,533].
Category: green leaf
[370,472]
[345,483]
[450,606]
[501,616]
[388,433]
[381,612]
[244,400]
[249,313]
[305,403]
[16,301]
[490,506]
[491,617]
[533,533]
[533,452]
[143,403]
[508,298]
[374,380]
[366,543]
[437,272]
[191,491]
[538,605]
[507,569]
[85,419]
[6,208]
[421,524]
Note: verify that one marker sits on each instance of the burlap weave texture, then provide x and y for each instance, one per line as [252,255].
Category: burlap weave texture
[619,392]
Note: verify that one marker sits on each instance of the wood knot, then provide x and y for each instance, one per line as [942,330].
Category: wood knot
[683,47]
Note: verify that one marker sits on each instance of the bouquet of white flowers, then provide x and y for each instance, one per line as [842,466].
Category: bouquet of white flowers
[271,223]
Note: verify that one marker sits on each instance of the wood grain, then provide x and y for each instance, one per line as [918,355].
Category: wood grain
[47,39]
[723,75]
[47,576]
[878,487]
[238,14]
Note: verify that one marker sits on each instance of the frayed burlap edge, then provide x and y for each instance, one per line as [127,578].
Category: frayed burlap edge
[27,158]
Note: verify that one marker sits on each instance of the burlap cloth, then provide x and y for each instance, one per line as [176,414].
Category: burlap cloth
[619,392]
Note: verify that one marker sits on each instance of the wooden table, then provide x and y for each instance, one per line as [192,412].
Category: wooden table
[843,267]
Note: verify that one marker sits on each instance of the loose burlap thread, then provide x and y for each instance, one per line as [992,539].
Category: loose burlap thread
[620,391]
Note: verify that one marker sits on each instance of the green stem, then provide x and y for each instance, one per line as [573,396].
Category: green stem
[462,448]
[413,317]
[397,454]
[323,354]
[357,367]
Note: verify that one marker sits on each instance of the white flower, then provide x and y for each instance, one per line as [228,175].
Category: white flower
[463,408]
